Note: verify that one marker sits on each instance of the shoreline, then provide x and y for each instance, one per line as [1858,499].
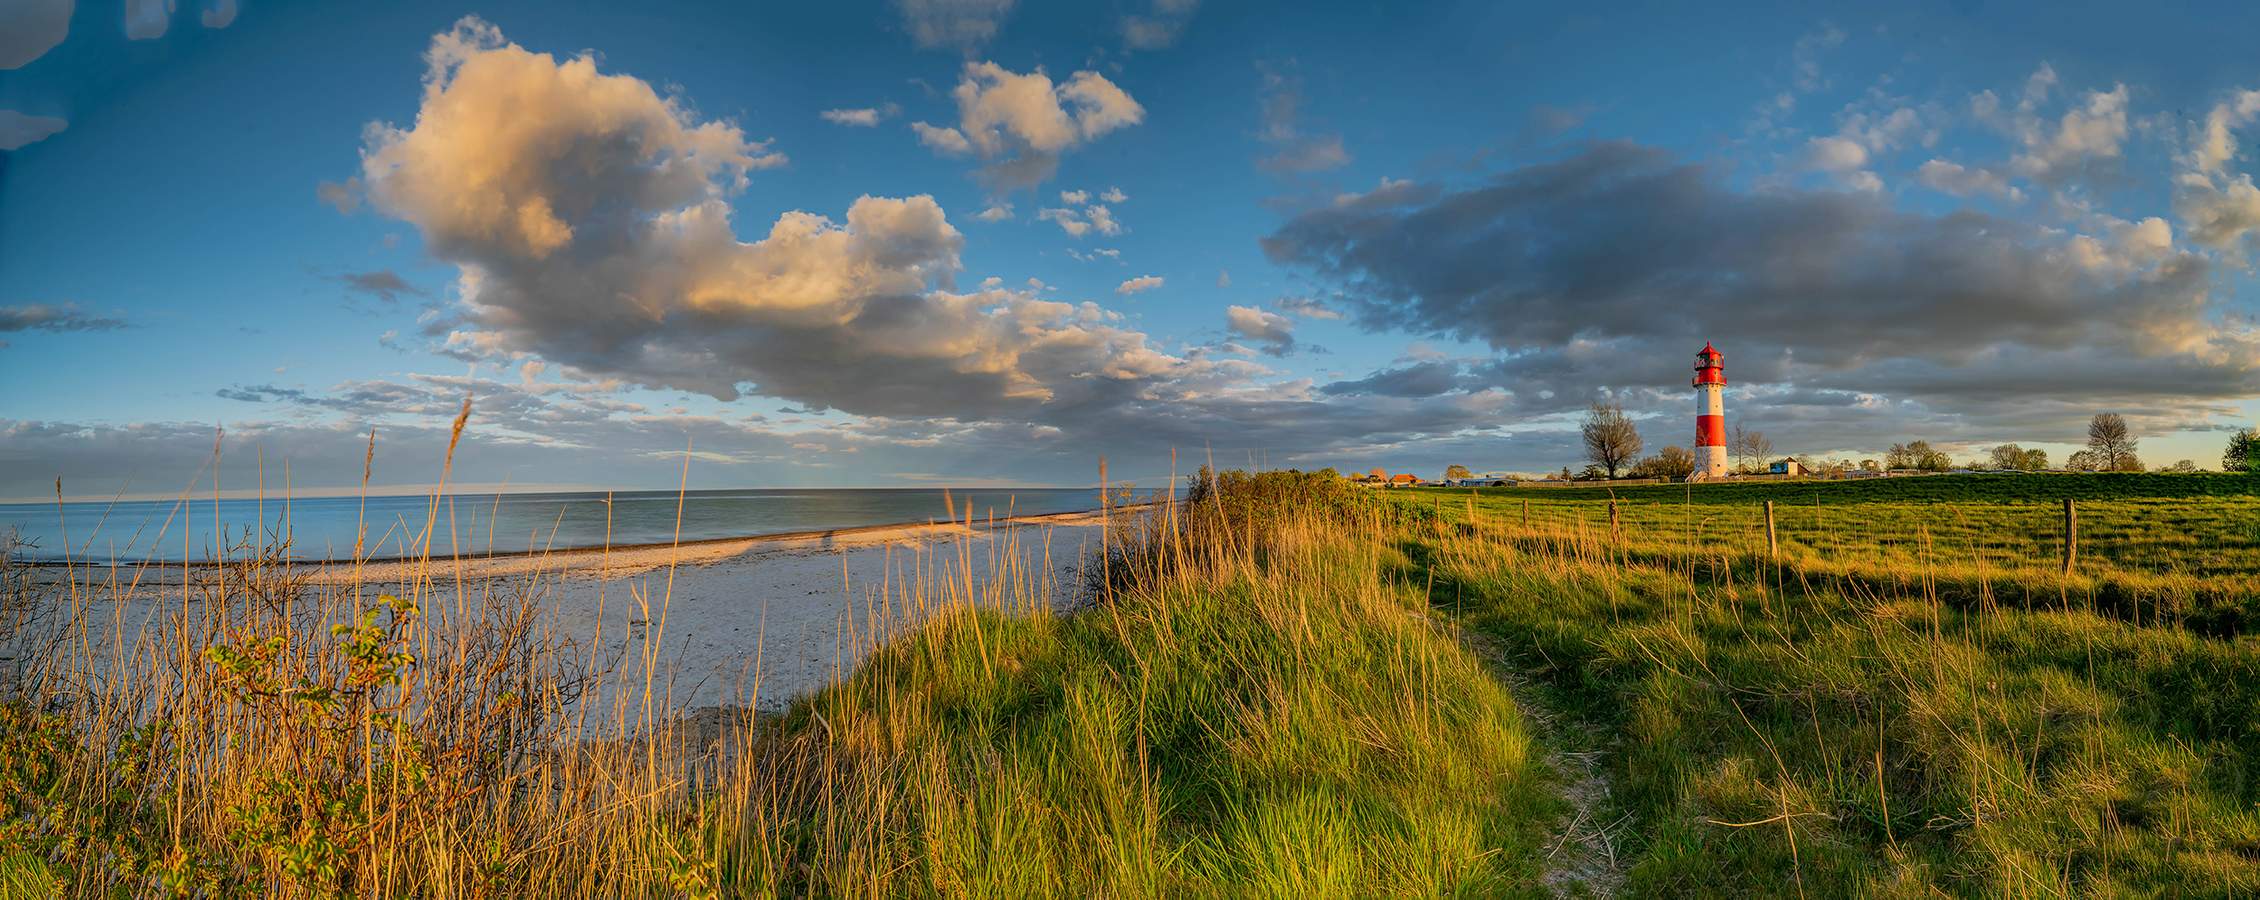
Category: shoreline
[754,621]
[632,557]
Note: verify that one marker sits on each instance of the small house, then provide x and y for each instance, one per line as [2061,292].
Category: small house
[1787,466]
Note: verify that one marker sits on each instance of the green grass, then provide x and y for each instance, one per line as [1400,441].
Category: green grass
[1967,487]
[1840,726]
[1291,724]
[2134,524]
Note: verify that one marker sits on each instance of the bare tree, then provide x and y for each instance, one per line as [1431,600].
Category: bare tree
[2114,447]
[1750,448]
[1610,438]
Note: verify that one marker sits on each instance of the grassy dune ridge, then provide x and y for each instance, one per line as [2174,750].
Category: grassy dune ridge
[1271,718]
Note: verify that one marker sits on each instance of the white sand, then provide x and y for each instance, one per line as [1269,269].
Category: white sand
[807,607]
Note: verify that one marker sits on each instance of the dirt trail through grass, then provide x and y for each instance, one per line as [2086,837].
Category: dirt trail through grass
[1582,860]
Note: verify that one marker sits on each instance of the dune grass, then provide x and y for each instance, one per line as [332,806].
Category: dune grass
[1269,719]
[1249,707]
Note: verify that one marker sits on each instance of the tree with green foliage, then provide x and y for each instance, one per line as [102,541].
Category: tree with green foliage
[2243,453]
[2180,467]
[2013,458]
[1670,462]
[1456,472]
[1919,455]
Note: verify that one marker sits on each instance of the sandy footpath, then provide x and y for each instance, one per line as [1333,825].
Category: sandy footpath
[806,606]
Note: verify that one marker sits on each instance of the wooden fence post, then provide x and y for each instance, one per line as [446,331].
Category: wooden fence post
[1526,512]
[1772,550]
[2071,535]
[1612,518]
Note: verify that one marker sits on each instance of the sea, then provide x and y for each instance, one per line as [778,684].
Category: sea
[328,528]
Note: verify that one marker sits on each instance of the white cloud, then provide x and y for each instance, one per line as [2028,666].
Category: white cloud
[1067,219]
[963,24]
[1021,123]
[1102,219]
[2218,209]
[1308,308]
[1835,154]
[2219,213]
[1075,198]
[2214,143]
[1138,284]
[1276,333]
[1223,278]
[863,117]
[148,19]
[1844,160]
[18,130]
[947,140]
[625,261]
[1885,131]
[2094,131]
[1114,195]
[1960,181]
[996,212]
[1077,223]
[1806,56]
[30,28]
[220,14]
[1864,181]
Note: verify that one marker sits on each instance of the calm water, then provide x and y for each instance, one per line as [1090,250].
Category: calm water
[325,528]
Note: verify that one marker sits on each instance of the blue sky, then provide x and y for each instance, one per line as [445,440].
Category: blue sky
[1404,235]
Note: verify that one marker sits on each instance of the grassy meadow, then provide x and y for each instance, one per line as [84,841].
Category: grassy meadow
[1284,686]
[1911,698]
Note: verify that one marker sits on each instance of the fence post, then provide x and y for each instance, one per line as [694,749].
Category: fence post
[1526,512]
[1612,518]
[1772,551]
[2071,535]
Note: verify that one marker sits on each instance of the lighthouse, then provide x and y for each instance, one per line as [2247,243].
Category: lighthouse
[1710,414]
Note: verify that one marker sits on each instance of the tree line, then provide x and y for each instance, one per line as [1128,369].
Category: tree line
[1613,446]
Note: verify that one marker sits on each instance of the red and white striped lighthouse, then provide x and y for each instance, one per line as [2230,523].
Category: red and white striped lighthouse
[1710,414]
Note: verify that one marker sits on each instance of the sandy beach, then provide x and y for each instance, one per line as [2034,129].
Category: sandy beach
[716,619]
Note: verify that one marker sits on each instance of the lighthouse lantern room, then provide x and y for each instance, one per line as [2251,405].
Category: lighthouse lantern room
[1710,414]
